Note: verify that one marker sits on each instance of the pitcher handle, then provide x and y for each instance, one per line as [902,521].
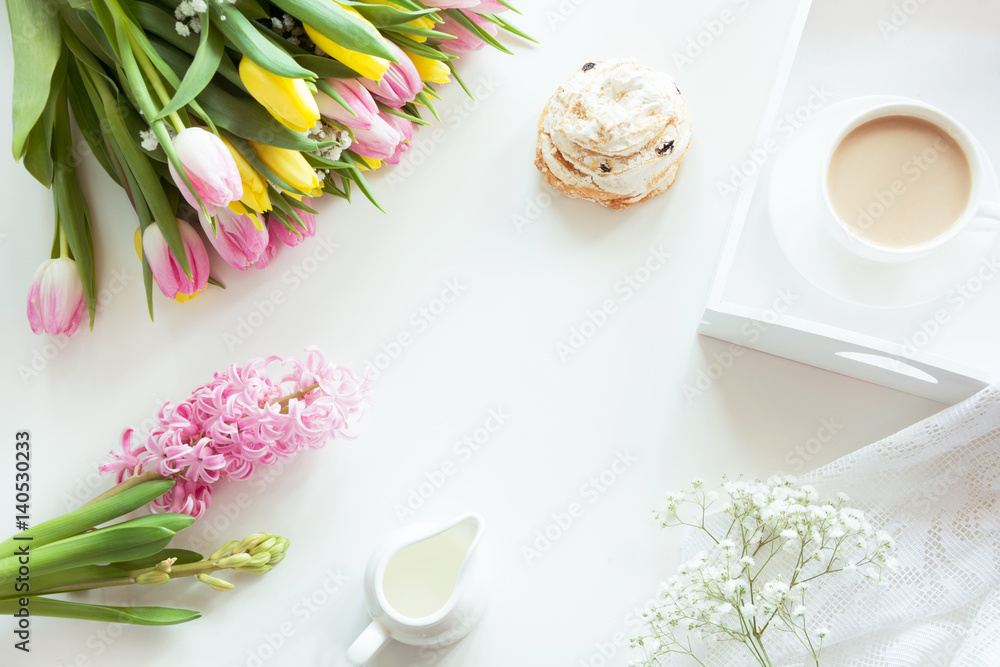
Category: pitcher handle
[370,642]
[987,218]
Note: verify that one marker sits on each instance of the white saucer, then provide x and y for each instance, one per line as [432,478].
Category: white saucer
[796,204]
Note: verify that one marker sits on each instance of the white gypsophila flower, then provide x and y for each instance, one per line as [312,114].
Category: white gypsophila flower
[199,6]
[195,25]
[182,29]
[822,632]
[149,140]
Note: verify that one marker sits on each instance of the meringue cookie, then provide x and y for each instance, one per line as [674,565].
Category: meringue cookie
[614,133]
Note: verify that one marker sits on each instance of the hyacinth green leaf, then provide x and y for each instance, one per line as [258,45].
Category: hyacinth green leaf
[336,23]
[384,15]
[37,45]
[74,577]
[247,39]
[90,548]
[158,22]
[89,516]
[202,69]
[92,612]
[241,116]
[71,207]
[471,25]
[182,556]
[169,520]
[326,68]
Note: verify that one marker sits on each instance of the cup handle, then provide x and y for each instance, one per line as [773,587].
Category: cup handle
[987,218]
[368,644]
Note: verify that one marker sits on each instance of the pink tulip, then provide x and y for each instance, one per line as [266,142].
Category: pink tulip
[276,225]
[356,96]
[55,301]
[489,7]
[166,270]
[270,252]
[209,166]
[450,4]
[236,237]
[465,39]
[405,129]
[377,143]
[400,84]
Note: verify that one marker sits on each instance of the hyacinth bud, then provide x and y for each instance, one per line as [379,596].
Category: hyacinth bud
[258,560]
[227,549]
[215,583]
[254,570]
[166,565]
[236,560]
[250,542]
[153,578]
[265,545]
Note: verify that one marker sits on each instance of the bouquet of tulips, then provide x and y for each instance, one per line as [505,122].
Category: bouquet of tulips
[228,116]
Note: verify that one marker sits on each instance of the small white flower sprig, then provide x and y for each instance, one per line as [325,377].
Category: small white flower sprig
[771,540]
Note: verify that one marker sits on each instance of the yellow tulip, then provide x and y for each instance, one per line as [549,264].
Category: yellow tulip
[430,70]
[289,100]
[367,66]
[371,163]
[255,194]
[289,166]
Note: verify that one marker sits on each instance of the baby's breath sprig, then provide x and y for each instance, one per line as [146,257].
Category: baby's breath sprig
[770,541]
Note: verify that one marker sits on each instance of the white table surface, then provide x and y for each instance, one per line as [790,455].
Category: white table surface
[494,348]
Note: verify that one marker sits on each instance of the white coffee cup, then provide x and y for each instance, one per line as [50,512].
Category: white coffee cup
[979,215]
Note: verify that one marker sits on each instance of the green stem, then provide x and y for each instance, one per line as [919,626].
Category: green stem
[63,243]
[154,79]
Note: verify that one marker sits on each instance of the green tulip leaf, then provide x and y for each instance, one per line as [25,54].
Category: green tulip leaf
[202,69]
[336,23]
[384,15]
[471,25]
[37,45]
[247,40]
[92,612]
[326,68]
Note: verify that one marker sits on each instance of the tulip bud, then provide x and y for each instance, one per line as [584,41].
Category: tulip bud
[255,194]
[372,67]
[377,143]
[405,129]
[430,70]
[358,99]
[289,166]
[56,302]
[465,39]
[289,100]
[270,252]
[276,225]
[167,271]
[399,85]
[209,166]
[239,239]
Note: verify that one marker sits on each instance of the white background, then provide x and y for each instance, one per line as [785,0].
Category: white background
[495,347]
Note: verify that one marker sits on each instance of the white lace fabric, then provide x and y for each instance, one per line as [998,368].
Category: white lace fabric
[935,487]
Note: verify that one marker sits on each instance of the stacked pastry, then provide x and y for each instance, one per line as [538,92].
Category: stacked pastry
[614,133]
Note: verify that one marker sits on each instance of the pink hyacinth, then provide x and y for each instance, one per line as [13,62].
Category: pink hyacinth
[400,84]
[276,225]
[243,419]
[209,166]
